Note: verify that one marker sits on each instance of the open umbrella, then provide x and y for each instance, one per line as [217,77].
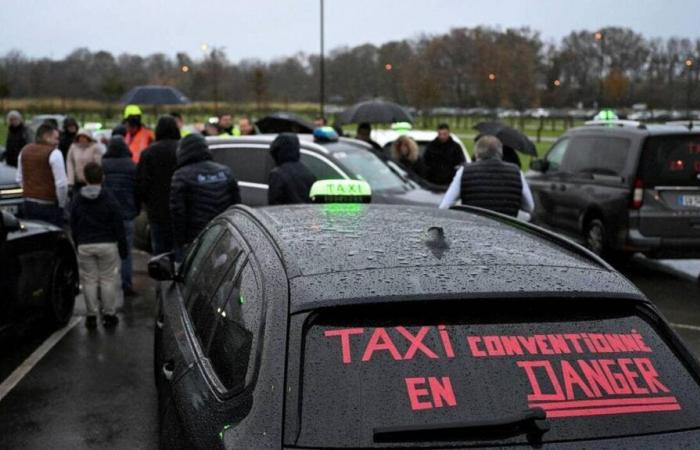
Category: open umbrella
[375,111]
[283,122]
[154,95]
[509,136]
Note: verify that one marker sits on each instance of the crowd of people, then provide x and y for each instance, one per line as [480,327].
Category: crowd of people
[101,187]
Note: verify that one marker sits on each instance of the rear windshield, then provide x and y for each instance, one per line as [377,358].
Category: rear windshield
[603,373]
[671,161]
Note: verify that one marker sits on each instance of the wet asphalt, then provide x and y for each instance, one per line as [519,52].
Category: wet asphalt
[95,390]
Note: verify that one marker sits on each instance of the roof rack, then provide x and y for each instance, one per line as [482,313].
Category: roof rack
[617,123]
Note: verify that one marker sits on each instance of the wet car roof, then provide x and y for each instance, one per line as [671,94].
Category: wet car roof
[387,250]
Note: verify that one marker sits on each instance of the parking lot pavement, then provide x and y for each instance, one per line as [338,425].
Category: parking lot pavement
[93,389]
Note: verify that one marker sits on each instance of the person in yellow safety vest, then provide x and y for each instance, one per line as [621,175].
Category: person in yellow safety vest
[180,123]
[137,136]
[226,127]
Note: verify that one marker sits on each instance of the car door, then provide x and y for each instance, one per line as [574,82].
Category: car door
[546,185]
[221,322]
[251,165]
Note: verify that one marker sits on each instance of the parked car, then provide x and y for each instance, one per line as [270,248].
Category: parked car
[384,326]
[623,187]
[10,190]
[41,118]
[39,276]
[385,138]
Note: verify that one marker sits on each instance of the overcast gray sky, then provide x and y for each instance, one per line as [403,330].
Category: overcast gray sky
[267,29]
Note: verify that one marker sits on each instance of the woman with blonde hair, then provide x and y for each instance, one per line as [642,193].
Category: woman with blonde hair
[84,150]
[404,152]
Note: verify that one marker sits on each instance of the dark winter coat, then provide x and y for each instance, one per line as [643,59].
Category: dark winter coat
[95,219]
[67,137]
[441,160]
[120,177]
[17,138]
[200,190]
[155,172]
[290,181]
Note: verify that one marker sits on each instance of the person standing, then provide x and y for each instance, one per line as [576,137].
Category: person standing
[83,151]
[404,152]
[98,233]
[138,137]
[442,157]
[364,133]
[200,190]
[120,180]
[246,127]
[225,126]
[42,174]
[489,182]
[68,135]
[18,135]
[154,175]
[290,181]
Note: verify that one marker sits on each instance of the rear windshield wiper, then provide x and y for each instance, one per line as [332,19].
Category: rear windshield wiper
[532,422]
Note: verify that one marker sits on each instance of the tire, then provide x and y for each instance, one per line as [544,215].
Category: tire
[64,282]
[595,237]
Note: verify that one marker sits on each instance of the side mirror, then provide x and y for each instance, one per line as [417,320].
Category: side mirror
[162,267]
[10,223]
[539,165]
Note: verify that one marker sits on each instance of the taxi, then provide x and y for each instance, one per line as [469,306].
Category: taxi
[359,325]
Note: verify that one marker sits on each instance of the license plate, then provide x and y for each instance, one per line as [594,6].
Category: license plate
[690,200]
[12,209]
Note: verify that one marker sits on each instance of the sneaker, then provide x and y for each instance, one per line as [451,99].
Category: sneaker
[91,322]
[110,321]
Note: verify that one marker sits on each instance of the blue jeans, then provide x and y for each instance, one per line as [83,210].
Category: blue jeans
[39,211]
[127,262]
[161,238]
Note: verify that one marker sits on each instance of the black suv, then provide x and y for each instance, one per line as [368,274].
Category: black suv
[623,187]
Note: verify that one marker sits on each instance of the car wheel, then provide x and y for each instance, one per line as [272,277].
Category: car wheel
[63,292]
[596,237]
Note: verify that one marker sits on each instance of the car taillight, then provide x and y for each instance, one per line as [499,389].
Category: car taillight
[638,194]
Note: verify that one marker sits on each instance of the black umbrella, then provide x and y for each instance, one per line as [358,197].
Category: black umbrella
[283,122]
[375,111]
[154,95]
[509,136]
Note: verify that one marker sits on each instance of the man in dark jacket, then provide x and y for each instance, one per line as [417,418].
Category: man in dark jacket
[18,135]
[442,157]
[120,180]
[70,131]
[201,189]
[98,233]
[290,180]
[155,173]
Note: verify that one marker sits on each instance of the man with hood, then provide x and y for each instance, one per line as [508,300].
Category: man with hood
[98,234]
[137,137]
[290,180]
[154,175]
[18,135]
[120,180]
[442,157]
[68,135]
[201,189]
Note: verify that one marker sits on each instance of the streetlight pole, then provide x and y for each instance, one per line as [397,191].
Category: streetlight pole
[689,67]
[322,70]
[599,37]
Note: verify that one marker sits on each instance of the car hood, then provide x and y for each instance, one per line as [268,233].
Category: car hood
[7,175]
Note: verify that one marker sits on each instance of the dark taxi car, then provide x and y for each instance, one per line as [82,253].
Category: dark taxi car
[38,273]
[623,187]
[384,326]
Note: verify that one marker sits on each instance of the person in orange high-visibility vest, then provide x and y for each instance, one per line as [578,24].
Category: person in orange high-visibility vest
[137,136]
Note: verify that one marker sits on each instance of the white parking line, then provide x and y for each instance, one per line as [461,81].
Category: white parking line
[24,368]
[683,326]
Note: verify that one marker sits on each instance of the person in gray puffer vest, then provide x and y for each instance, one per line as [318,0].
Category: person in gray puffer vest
[200,190]
[490,183]
[120,180]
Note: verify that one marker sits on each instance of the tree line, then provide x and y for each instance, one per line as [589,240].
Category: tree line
[466,67]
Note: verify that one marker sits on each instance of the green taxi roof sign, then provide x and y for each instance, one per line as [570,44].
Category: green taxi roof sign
[341,191]
[606,115]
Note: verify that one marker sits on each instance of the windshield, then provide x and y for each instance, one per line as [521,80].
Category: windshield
[671,161]
[366,166]
[596,374]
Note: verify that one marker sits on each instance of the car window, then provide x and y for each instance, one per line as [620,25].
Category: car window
[320,168]
[248,164]
[236,332]
[671,161]
[556,154]
[219,262]
[597,371]
[195,258]
[596,155]
[366,166]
